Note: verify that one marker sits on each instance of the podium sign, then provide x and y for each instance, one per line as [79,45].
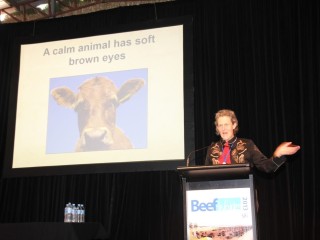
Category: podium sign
[220,208]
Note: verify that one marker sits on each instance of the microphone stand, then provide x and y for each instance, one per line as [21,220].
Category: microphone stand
[192,152]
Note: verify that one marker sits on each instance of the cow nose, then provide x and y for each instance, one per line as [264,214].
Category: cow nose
[95,133]
[94,139]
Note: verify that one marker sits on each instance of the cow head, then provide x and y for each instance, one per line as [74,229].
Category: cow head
[96,104]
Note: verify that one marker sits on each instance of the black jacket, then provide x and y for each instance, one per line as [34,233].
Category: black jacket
[243,151]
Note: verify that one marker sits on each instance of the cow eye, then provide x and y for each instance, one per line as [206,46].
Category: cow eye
[81,106]
[112,102]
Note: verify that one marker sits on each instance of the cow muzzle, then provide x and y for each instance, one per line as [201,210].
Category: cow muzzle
[96,139]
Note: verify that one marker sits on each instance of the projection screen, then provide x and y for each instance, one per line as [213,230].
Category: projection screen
[106,102]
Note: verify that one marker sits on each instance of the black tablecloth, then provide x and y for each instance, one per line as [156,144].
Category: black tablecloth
[52,231]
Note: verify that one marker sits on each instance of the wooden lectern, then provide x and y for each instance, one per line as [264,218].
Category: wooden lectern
[219,202]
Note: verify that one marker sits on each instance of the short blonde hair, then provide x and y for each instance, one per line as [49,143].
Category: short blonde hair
[228,113]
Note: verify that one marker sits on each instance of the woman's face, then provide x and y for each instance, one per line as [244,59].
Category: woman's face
[225,127]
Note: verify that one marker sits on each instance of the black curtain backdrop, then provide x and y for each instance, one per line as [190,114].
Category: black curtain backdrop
[260,58]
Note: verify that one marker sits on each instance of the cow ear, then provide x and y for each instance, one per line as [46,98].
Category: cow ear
[129,88]
[64,97]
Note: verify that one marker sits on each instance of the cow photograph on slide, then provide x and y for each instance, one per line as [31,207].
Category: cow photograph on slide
[95,106]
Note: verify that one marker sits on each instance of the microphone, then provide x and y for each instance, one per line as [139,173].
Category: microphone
[192,152]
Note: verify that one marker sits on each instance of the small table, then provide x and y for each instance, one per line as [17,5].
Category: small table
[52,231]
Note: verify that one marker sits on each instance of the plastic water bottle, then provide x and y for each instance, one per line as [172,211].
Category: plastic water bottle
[78,209]
[65,213]
[74,213]
[80,212]
[68,213]
[83,213]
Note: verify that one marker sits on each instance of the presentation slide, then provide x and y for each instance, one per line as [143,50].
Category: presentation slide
[112,98]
